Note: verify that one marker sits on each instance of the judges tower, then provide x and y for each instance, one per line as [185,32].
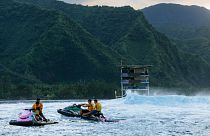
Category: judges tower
[134,78]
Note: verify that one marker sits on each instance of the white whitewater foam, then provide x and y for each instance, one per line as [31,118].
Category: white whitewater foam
[168,100]
[142,116]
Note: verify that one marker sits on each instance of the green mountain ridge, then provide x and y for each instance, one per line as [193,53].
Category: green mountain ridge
[176,14]
[50,47]
[188,26]
[67,46]
[126,31]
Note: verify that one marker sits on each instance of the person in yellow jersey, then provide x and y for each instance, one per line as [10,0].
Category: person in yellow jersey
[96,111]
[98,106]
[37,108]
[90,107]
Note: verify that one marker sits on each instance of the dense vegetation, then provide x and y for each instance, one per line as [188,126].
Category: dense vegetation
[48,47]
[188,26]
[127,32]
[56,50]
[77,90]
[41,46]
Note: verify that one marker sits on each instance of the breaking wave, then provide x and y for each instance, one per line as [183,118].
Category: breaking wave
[167,100]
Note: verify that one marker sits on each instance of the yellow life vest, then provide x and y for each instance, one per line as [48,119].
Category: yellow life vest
[37,108]
[98,107]
[90,107]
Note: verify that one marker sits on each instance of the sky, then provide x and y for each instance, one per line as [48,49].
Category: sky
[139,4]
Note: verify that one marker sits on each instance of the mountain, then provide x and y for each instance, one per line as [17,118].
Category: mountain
[188,26]
[126,31]
[175,14]
[49,47]
[52,42]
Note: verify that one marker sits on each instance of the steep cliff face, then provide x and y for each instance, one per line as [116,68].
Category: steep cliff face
[188,26]
[50,47]
[57,42]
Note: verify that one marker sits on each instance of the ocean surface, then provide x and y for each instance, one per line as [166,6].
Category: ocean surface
[170,115]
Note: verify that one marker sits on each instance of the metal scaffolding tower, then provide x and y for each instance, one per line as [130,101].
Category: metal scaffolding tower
[134,78]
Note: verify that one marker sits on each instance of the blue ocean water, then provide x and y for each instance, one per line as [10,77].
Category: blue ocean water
[170,115]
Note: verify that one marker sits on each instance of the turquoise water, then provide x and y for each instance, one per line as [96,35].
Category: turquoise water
[141,116]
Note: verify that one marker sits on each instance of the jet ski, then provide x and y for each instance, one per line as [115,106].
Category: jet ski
[74,111]
[71,111]
[27,118]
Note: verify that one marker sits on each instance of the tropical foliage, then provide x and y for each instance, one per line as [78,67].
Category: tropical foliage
[56,50]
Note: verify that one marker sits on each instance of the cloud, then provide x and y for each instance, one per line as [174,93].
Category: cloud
[139,4]
[75,1]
